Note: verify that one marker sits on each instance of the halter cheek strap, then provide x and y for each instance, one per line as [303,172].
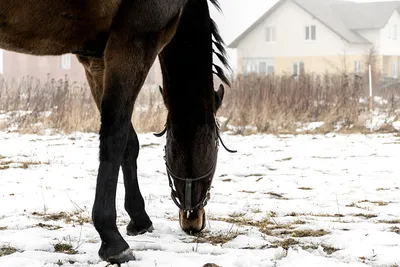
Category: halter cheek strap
[187,205]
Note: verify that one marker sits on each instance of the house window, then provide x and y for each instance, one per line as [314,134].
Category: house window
[395,70]
[66,62]
[271,69]
[270,34]
[357,66]
[1,61]
[260,66]
[298,68]
[311,33]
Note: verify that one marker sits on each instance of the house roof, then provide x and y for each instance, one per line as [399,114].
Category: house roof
[367,16]
[339,16]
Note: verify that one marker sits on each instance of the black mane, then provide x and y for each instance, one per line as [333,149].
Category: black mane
[219,50]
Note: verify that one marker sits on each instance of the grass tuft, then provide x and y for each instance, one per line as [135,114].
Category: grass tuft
[366,216]
[305,188]
[64,248]
[215,238]
[309,233]
[48,226]
[286,243]
[7,250]
[68,217]
[397,221]
[395,229]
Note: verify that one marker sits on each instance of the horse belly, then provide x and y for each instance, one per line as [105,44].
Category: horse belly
[48,27]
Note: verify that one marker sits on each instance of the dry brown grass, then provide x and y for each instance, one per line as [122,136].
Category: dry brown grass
[379,203]
[294,214]
[219,238]
[6,164]
[326,248]
[390,221]
[48,226]
[7,250]
[64,248]
[395,229]
[305,188]
[286,243]
[309,233]
[366,216]
[66,107]
[274,104]
[67,217]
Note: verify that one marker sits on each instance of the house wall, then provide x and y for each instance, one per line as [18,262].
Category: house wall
[388,66]
[374,36]
[290,21]
[390,47]
[320,65]
[15,66]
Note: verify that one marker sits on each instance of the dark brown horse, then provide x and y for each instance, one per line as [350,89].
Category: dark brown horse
[117,41]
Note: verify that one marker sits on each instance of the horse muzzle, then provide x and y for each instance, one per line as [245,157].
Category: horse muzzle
[192,222]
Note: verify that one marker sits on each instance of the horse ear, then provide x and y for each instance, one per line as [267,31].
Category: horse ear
[219,96]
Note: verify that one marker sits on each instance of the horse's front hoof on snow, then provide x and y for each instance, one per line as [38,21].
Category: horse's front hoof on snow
[116,252]
[125,256]
[131,230]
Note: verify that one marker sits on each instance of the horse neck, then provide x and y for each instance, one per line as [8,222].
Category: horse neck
[187,68]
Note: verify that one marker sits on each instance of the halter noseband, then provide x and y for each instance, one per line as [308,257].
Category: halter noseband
[187,205]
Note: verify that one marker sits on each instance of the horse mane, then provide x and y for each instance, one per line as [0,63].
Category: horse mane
[196,53]
[219,50]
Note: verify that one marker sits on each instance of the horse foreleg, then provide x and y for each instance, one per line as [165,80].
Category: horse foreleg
[127,62]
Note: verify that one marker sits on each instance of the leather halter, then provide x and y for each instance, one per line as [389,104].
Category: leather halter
[187,205]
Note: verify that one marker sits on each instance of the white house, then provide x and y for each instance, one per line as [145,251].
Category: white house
[321,35]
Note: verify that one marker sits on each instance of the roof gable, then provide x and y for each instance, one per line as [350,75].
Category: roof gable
[338,16]
[236,42]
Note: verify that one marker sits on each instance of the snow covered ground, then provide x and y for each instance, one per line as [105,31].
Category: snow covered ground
[306,200]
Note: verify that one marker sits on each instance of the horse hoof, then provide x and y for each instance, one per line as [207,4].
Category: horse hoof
[125,256]
[132,231]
